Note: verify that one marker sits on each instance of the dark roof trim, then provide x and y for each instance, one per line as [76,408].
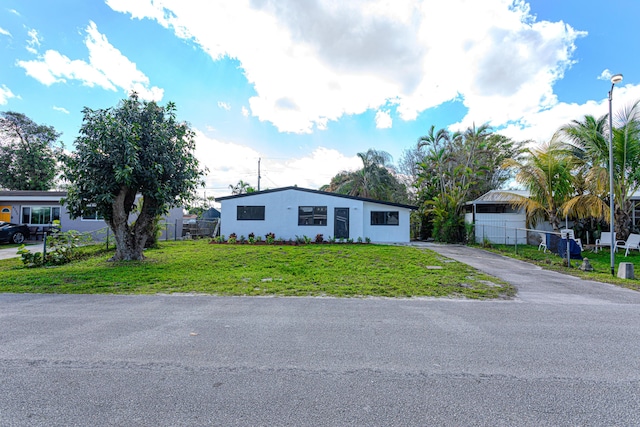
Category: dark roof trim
[33,193]
[324,193]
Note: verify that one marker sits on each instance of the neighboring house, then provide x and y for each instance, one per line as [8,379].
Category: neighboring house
[38,210]
[293,211]
[495,219]
[498,222]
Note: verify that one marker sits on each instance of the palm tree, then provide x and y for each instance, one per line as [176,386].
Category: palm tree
[547,173]
[376,179]
[590,138]
[240,188]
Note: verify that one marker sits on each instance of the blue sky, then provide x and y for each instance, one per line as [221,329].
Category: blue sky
[306,85]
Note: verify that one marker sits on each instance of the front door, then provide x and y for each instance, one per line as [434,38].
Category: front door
[5,213]
[341,223]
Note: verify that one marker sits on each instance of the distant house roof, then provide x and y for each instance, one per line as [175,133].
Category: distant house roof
[324,193]
[32,196]
[500,196]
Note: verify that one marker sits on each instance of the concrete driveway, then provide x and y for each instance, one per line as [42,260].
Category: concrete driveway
[12,252]
[564,352]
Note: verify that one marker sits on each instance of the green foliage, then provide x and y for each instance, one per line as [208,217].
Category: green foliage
[136,148]
[30,259]
[455,168]
[28,153]
[270,238]
[376,180]
[62,248]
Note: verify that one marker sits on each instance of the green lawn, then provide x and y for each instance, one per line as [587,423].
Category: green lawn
[223,269]
[601,263]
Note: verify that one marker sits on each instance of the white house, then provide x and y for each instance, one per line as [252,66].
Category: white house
[38,210]
[293,211]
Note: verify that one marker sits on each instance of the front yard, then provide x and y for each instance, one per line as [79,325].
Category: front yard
[341,270]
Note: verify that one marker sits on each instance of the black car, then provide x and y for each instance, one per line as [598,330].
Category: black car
[13,233]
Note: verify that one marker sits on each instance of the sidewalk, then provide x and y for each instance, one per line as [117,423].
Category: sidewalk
[6,253]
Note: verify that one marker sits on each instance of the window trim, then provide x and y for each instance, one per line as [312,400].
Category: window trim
[252,208]
[386,218]
[321,217]
[52,214]
[97,215]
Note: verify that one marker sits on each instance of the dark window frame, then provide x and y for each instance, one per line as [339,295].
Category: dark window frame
[383,218]
[318,216]
[250,213]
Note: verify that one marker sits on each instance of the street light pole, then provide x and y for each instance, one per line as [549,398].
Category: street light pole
[617,78]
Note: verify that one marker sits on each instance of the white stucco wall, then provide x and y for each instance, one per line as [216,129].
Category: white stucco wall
[281,217]
[387,233]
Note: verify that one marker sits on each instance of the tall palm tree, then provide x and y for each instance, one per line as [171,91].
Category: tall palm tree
[547,173]
[590,137]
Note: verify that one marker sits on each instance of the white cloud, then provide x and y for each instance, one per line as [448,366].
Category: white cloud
[383,119]
[107,68]
[15,12]
[314,62]
[228,163]
[540,126]
[5,95]
[33,42]
[61,109]
[224,105]
[245,111]
[5,32]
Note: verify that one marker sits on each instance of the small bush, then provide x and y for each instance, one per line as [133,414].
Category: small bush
[319,238]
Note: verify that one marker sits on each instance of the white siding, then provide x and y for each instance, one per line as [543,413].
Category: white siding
[281,217]
[387,233]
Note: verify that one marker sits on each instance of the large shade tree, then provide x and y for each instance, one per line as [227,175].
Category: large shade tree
[136,152]
[29,153]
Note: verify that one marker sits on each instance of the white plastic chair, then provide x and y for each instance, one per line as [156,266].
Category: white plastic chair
[543,242]
[633,242]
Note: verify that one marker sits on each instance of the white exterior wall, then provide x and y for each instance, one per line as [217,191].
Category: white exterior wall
[387,233]
[501,228]
[281,217]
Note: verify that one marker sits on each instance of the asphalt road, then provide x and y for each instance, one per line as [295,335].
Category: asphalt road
[564,352]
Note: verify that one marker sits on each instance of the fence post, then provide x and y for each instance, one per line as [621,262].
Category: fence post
[516,230]
[44,247]
[175,231]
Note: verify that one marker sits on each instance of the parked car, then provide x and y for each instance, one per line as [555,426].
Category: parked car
[13,233]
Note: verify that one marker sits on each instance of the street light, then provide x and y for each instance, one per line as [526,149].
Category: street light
[617,78]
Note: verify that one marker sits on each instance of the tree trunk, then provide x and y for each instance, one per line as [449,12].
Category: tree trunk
[130,240]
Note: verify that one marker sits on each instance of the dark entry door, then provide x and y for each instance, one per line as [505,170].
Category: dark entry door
[341,223]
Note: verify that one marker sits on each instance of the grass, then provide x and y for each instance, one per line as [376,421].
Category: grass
[601,263]
[339,270]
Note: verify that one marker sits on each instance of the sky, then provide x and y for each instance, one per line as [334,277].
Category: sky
[300,87]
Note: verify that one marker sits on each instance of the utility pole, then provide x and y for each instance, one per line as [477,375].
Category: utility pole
[259,173]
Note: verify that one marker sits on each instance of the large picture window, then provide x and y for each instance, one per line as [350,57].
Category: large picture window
[312,215]
[250,213]
[40,215]
[385,218]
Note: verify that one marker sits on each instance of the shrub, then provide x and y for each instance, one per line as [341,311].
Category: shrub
[319,238]
[270,238]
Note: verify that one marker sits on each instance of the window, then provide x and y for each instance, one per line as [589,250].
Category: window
[312,215]
[91,214]
[385,218]
[40,214]
[250,213]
